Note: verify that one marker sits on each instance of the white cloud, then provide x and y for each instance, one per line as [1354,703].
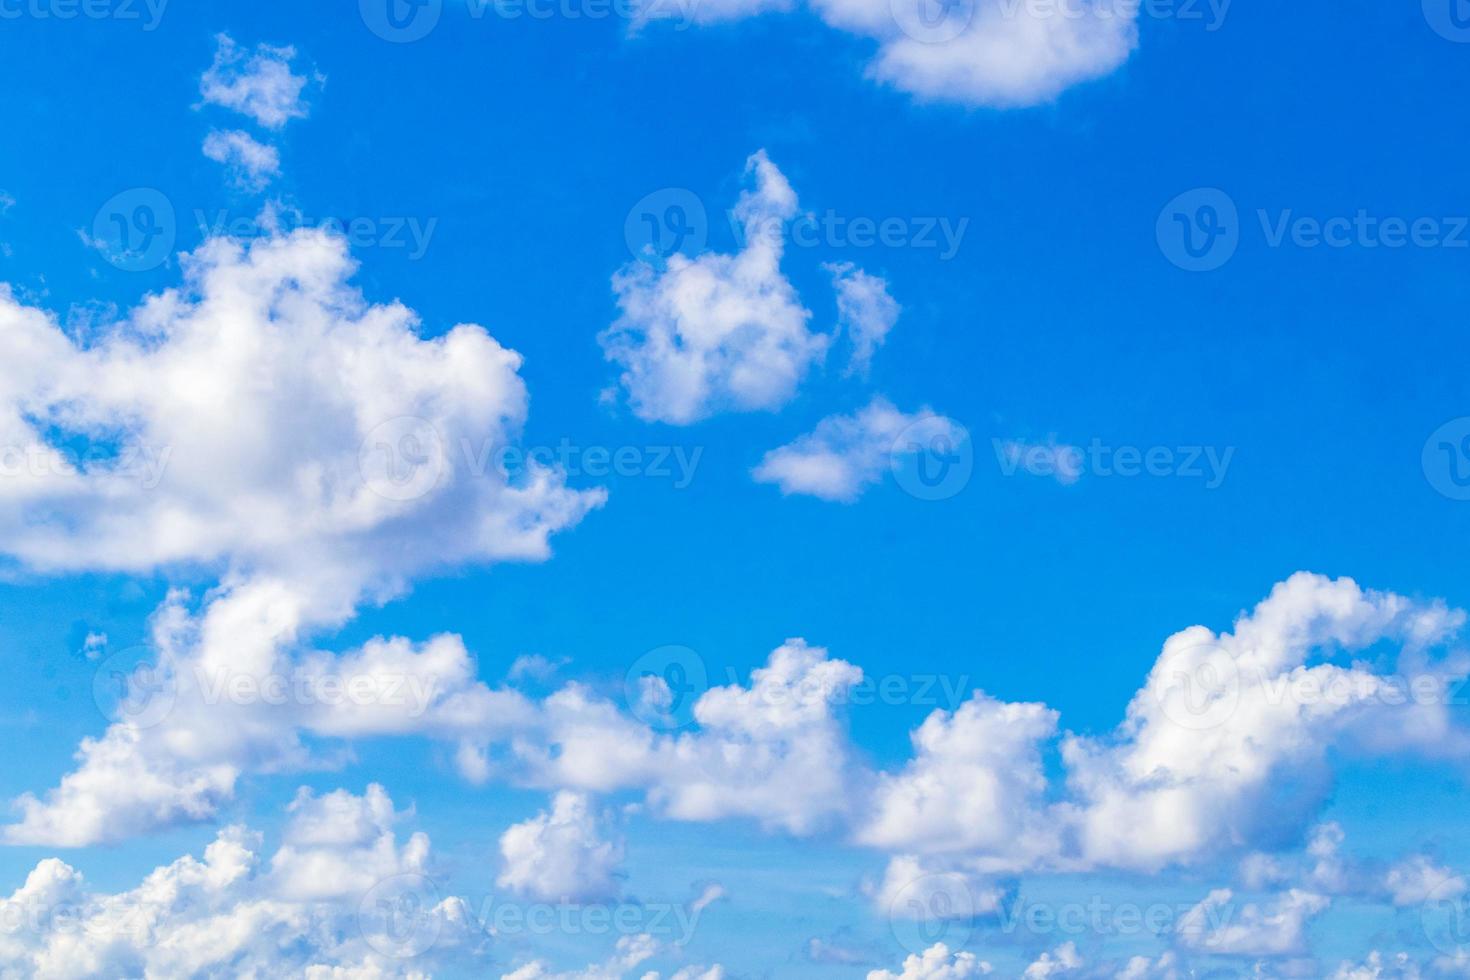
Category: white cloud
[716,332]
[1416,880]
[936,963]
[1219,924]
[1060,461]
[1054,963]
[631,951]
[560,855]
[975,787]
[267,421]
[251,164]
[865,311]
[846,454]
[1000,53]
[1227,744]
[258,84]
[225,915]
[1378,967]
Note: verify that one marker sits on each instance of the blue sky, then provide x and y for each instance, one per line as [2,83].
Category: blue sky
[1298,398]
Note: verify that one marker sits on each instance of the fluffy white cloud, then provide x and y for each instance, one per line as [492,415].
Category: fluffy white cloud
[975,787]
[717,332]
[560,855]
[1219,924]
[259,84]
[266,420]
[936,963]
[1378,967]
[1001,53]
[865,311]
[846,454]
[1418,879]
[226,915]
[1054,963]
[1226,745]
[251,164]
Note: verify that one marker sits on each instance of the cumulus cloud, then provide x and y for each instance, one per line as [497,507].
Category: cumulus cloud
[267,421]
[865,312]
[630,953]
[1220,925]
[251,164]
[1057,962]
[936,963]
[259,83]
[560,855]
[716,332]
[229,914]
[999,53]
[1226,746]
[846,454]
